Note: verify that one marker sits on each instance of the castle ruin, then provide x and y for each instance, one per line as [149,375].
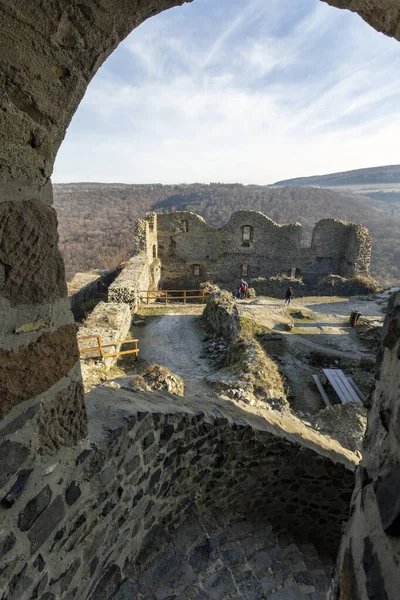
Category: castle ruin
[89,485]
[251,245]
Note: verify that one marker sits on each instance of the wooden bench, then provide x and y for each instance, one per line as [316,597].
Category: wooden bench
[344,389]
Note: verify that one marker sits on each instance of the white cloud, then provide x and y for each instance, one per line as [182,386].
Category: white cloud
[254,100]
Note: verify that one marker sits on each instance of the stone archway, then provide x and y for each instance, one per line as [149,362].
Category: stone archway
[49,52]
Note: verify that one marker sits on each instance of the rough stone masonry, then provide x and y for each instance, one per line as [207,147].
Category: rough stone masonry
[251,245]
[49,52]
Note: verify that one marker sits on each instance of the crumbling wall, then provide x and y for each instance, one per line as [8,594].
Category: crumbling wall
[357,258]
[370,551]
[111,321]
[50,51]
[221,316]
[87,287]
[85,522]
[143,270]
[339,248]
[224,255]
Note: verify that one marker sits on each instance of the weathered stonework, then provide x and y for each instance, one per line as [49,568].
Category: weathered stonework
[191,251]
[31,266]
[143,270]
[176,497]
[63,420]
[370,552]
[221,316]
[88,287]
[49,51]
[111,321]
[32,369]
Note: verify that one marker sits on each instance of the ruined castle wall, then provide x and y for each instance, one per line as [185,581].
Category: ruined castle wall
[86,287]
[143,270]
[370,552]
[221,316]
[357,259]
[85,522]
[338,248]
[111,321]
[50,51]
[185,240]
[328,246]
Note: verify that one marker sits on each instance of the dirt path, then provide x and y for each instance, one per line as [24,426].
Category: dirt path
[175,342]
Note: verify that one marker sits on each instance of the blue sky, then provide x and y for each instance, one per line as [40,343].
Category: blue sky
[248,91]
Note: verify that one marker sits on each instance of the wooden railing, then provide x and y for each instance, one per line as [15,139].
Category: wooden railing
[171,296]
[100,346]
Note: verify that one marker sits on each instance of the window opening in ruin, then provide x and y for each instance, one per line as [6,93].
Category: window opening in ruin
[247,235]
[154,251]
[185,226]
[172,246]
[196,270]
[245,269]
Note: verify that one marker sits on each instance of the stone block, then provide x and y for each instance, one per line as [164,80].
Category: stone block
[17,489]
[202,557]
[387,492]
[108,474]
[72,493]
[176,583]
[34,509]
[132,465]
[63,420]
[39,588]
[220,585]
[108,585]
[12,457]
[34,368]
[7,542]
[127,591]
[29,248]
[248,585]
[20,420]
[46,523]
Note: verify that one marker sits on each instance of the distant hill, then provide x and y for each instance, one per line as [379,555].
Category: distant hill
[96,221]
[375,176]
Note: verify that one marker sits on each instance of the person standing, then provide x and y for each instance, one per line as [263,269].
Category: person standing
[243,289]
[288,295]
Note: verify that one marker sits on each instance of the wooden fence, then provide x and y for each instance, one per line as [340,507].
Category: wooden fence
[100,346]
[166,296]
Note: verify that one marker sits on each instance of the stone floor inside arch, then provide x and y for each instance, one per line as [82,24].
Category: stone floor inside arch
[217,556]
[172,498]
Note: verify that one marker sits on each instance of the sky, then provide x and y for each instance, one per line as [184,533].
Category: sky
[249,91]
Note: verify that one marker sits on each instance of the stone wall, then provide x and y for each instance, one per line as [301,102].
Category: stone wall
[144,268]
[369,559]
[112,322]
[87,287]
[160,488]
[221,317]
[50,51]
[222,255]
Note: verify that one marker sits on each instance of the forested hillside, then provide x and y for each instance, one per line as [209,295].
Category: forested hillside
[97,220]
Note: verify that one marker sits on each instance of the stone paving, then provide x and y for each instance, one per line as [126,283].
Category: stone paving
[212,556]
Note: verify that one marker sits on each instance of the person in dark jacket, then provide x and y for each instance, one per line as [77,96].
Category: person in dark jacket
[288,295]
